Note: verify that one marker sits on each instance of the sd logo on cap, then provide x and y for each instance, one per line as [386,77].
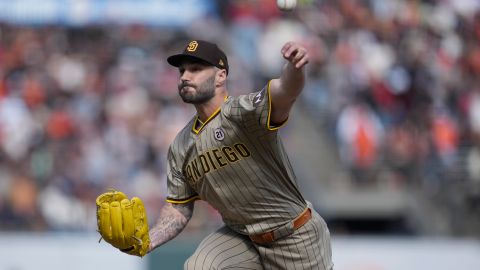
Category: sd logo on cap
[201,50]
[192,46]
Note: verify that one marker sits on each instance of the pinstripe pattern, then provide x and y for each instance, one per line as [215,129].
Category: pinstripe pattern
[307,249]
[224,249]
[236,162]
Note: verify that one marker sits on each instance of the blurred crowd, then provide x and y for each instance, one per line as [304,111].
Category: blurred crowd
[401,89]
[395,83]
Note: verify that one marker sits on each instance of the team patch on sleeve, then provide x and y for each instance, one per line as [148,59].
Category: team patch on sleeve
[253,111]
[259,97]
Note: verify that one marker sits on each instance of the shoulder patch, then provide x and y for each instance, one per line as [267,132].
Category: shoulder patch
[258,98]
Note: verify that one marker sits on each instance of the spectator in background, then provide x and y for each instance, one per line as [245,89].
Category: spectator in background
[360,138]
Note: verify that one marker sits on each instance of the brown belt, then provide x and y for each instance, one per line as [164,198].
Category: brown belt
[268,237]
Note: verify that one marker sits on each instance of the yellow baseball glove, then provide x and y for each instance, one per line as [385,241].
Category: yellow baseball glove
[123,222]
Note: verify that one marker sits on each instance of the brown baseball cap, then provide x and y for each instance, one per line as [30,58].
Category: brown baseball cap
[201,50]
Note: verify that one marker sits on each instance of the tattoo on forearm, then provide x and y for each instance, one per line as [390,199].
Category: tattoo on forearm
[172,220]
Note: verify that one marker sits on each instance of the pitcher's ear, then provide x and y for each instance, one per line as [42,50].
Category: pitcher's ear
[221,76]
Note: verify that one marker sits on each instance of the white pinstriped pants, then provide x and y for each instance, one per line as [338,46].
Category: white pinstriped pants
[307,248]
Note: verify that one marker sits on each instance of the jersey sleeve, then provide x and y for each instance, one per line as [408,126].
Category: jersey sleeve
[254,110]
[178,189]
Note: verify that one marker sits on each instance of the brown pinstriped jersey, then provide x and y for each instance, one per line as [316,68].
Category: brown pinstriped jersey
[236,162]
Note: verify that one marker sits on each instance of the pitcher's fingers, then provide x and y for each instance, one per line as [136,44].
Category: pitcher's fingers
[299,54]
[290,52]
[286,47]
[302,62]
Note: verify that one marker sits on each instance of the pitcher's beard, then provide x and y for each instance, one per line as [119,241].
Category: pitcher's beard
[202,93]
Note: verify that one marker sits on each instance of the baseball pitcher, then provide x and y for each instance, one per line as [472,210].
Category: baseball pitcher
[230,155]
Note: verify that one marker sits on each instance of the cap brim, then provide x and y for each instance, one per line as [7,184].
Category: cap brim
[177,59]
